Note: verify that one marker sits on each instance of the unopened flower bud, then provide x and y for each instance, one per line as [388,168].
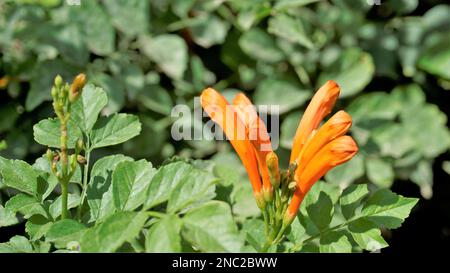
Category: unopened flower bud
[79,146]
[274,171]
[49,155]
[81,159]
[54,93]
[73,162]
[58,81]
[77,86]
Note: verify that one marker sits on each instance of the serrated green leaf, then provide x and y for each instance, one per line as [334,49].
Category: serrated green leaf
[290,29]
[37,226]
[367,235]
[99,192]
[351,198]
[260,46]
[73,200]
[211,228]
[169,52]
[130,181]
[17,244]
[321,211]
[388,209]
[65,231]
[47,132]
[380,172]
[267,93]
[19,175]
[346,173]
[113,232]
[114,129]
[164,236]
[126,13]
[335,242]
[86,109]
[7,217]
[26,205]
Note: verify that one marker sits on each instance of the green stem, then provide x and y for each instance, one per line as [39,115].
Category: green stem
[85,179]
[64,195]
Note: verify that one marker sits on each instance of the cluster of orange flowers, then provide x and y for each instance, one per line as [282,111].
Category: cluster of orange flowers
[315,149]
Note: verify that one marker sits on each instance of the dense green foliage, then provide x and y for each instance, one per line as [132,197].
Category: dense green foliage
[144,57]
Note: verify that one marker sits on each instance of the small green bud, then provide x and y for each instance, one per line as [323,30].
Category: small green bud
[49,155]
[73,162]
[58,81]
[79,146]
[54,93]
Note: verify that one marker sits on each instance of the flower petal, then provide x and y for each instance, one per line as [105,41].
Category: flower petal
[320,106]
[336,152]
[224,114]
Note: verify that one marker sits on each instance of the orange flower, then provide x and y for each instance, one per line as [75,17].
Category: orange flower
[256,132]
[320,106]
[315,151]
[220,111]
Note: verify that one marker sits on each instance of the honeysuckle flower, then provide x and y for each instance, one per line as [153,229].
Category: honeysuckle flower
[315,150]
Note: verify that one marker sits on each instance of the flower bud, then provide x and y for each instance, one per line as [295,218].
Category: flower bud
[79,146]
[77,86]
[274,171]
[58,81]
[54,93]
[81,159]
[292,186]
[49,155]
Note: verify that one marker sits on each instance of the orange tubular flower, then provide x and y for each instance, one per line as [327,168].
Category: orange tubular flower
[259,137]
[320,106]
[317,152]
[215,105]
[334,153]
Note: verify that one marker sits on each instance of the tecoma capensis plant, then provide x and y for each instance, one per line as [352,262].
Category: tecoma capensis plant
[68,203]
[315,151]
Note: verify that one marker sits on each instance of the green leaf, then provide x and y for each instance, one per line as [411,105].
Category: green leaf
[435,58]
[7,217]
[367,235]
[130,181]
[65,231]
[113,232]
[114,129]
[353,71]
[55,208]
[194,187]
[86,109]
[380,172]
[254,233]
[267,93]
[210,31]
[37,226]
[164,181]
[99,193]
[388,209]
[19,175]
[260,46]
[351,198]
[211,228]
[290,29]
[296,232]
[422,175]
[96,26]
[115,92]
[286,4]
[169,52]
[17,244]
[25,204]
[446,166]
[335,242]
[47,132]
[346,173]
[164,236]
[157,99]
[126,13]
[321,212]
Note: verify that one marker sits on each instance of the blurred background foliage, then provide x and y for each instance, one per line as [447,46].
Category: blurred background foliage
[391,60]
